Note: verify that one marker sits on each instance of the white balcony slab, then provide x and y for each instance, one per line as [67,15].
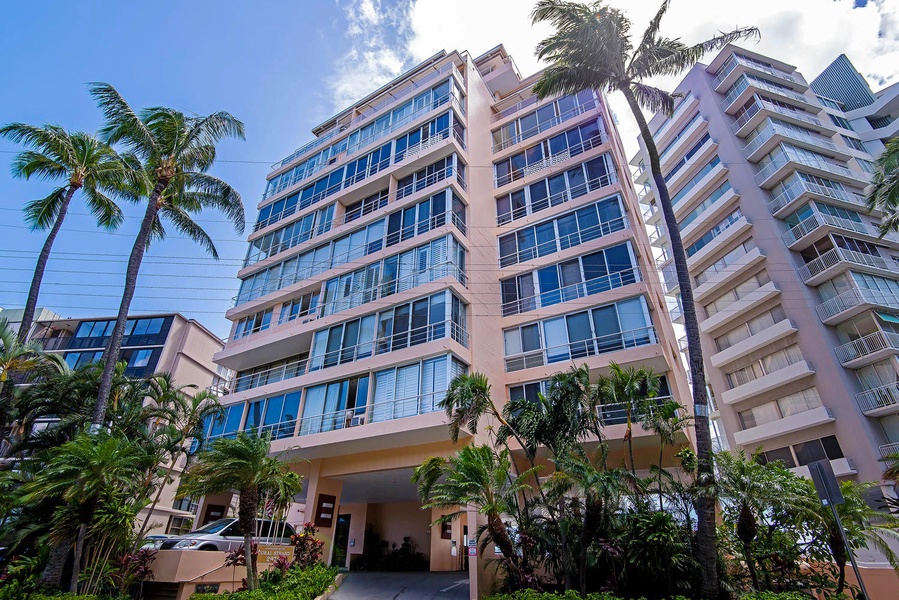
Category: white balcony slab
[778,331]
[768,383]
[735,310]
[748,438]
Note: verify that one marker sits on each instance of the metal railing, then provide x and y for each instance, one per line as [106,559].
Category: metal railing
[616,414]
[416,149]
[513,109]
[394,286]
[887,450]
[745,81]
[800,186]
[836,255]
[855,297]
[736,59]
[817,220]
[573,291]
[765,172]
[759,104]
[771,129]
[429,180]
[566,241]
[593,142]
[869,344]
[582,348]
[558,198]
[249,381]
[373,413]
[880,397]
[397,341]
[541,127]
[317,142]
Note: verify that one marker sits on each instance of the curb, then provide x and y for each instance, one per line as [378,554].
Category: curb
[337,581]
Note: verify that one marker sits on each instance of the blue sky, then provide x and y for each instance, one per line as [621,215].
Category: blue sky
[283,67]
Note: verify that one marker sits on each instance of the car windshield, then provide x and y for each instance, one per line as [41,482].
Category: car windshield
[214,527]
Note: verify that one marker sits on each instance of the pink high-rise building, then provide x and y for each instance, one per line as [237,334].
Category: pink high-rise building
[446,223]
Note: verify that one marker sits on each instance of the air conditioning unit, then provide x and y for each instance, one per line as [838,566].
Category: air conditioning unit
[357,420]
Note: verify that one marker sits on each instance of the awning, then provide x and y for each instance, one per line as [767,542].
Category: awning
[888,317]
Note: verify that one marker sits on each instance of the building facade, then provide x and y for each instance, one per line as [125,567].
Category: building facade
[797,295]
[167,342]
[447,223]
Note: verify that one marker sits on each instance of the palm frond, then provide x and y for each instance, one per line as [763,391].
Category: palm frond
[103,208]
[183,222]
[676,56]
[41,214]
[122,123]
[33,163]
[652,98]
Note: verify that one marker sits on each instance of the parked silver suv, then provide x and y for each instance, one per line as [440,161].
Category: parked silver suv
[225,534]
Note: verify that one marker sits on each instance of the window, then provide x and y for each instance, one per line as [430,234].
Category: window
[741,291]
[139,358]
[687,156]
[841,122]
[880,122]
[430,175]
[854,245]
[688,187]
[607,328]
[710,200]
[335,405]
[587,275]
[528,391]
[406,325]
[421,137]
[548,115]
[801,401]
[750,328]
[365,206]
[566,231]
[76,360]
[275,416]
[227,426]
[253,324]
[725,261]
[567,144]
[830,103]
[306,304]
[854,143]
[413,389]
[573,183]
[270,372]
[781,359]
[289,236]
[866,165]
[714,232]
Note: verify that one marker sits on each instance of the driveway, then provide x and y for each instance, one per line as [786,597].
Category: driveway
[404,586]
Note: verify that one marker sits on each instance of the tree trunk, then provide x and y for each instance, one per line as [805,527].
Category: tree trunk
[750,565]
[143,527]
[592,516]
[501,538]
[247,504]
[661,456]
[111,354]
[51,576]
[841,581]
[705,479]
[76,562]
[42,258]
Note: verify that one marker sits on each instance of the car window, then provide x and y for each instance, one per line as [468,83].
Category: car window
[264,528]
[215,526]
[288,531]
[234,529]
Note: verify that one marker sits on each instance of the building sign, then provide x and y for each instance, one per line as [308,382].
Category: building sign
[324,511]
[267,553]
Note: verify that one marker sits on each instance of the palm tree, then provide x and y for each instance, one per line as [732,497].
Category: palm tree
[477,476]
[863,524]
[242,464]
[80,473]
[592,49]
[629,388]
[884,194]
[665,420]
[182,415]
[467,401]
[175,151]
[77,160]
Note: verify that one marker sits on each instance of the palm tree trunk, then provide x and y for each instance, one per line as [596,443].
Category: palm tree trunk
[111,354]
[500,537]
[51,576]
[841,581]
[247,506]
[143,527]
[661,456]
[76,562]
[42,258]
[750,565]
[705,501]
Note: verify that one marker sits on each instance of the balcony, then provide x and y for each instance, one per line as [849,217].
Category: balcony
[753,343]
[842,467]
[773,172]
[797,422]
[581,349]
[736,65]
[714,281]
[567,241]
[540,128]
[747,85]
[868,349]
[740,307]
[838,259]
[720,243]
[560,197]
[815,227]
[879,401]
[571,292]
[773,133]
[804,190]
[671,125]
[761,109]
[551,161]
[853,302]
[887,450]
[771,382]
[617,414]
[372,413]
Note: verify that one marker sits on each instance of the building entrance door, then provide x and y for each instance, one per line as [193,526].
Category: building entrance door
[341,541]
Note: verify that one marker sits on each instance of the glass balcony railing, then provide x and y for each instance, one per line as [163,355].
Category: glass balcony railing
[574,291]
[373,413]
[771,129]
[581,349]
[617,414]
[593,142]
[758,104]
[736,60]
[772,167]
[541,127]
[745,81]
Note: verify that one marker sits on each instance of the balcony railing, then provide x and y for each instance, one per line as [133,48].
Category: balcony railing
[616,414]
[835,255]
[559,198]
[745,81]
[541,127]
[817,220]
[869,344]
[566,241]
[249,381]
[772,129]
[887,450]
[429,180]
[765,172]
[373,413]
[581,349]
[800,186]
[593,142]
[855,297]
[736,60]
[881,397]
[513,109]
[572,292]
[423,145]
[759,104]
[317,142]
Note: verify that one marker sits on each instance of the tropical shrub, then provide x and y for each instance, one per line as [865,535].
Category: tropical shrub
[307,549]
[296,584]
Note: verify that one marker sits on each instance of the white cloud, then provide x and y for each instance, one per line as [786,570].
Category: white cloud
[388,36]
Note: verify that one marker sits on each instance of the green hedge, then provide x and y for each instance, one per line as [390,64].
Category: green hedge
[297,584]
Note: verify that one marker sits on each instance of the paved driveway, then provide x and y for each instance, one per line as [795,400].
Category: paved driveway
[404,586]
